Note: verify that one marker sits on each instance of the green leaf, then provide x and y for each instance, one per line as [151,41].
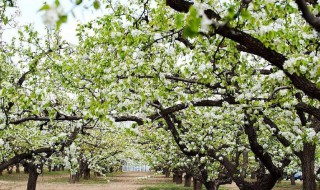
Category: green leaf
[45,7]
[187,32]
[62,19]
[78,2]
[5,20]
[245,14]
[96,4]
[179,20]
[193,22]
[57,3]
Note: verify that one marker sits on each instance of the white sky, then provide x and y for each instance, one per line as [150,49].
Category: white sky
[29,14]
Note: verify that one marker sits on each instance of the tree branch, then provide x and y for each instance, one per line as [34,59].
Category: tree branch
[36,118]
[308,16]
[253,46]
[308,109]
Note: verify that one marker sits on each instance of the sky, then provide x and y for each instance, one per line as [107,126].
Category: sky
[29,13]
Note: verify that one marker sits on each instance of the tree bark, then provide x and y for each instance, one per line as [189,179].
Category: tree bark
[73,178]
[167,173]
[253,175]
[179,178]
[197,185]
[33,176]
[307,162]
[245,164]
[55,168]
[86,173]
[211,185]
[292,180]
[187,180]
[78,177]
[9,169]
[17,168]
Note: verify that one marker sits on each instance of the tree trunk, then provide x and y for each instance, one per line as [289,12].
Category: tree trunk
[25,168]
[197,185]
[211,185]
[253,175]
[245,164]
[86,173]
[9,169]
[187,181]
[179,178]
[73,178]
[33,176]
[17,168]
[167,173]
[292,180]
[174,177]
[307,162]
[78,177]
[49,168]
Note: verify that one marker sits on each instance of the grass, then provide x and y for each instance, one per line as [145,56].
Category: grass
[285,185]
[57,177]
[93,179]
[14,177]
[166,186]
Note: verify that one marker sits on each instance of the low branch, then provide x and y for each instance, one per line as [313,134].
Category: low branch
[35,118]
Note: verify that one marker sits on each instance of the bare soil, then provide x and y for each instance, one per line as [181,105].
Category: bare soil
[123,181]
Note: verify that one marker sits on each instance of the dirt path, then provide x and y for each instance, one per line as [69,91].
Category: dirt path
[124,181]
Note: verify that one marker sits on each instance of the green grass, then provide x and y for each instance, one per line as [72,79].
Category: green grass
[166,186]
[14,177]
[171,186]
[285,185]
[93,179]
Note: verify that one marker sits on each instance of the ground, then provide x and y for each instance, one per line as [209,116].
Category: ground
[119,181]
